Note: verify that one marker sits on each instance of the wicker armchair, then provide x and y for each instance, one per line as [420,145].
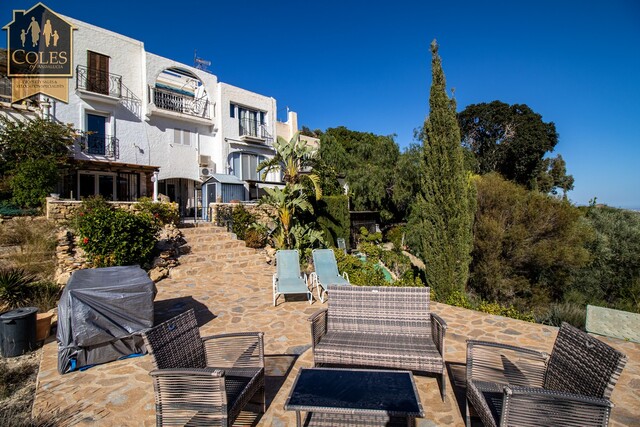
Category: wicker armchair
[513,386]
[203,381]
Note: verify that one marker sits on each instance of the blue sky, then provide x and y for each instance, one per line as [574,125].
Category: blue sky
[366,65]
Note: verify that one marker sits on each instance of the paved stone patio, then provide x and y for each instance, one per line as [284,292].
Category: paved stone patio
[121,393]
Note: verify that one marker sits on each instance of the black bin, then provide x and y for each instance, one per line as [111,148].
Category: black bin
[18,331]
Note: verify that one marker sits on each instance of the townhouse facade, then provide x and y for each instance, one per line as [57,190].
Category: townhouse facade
[151,126]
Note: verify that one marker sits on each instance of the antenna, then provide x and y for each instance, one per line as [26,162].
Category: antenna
[199,63]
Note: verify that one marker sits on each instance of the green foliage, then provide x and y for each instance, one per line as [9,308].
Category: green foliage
[33,180]
[612,277]
[553,176]
[366,236]
[408,174]
[332,214]
[361,273]
[32,149]
[368,163]
[458,299]
[162,212]
[242,221]
[292,157]
[9,209]
[509,139]
[115,236]
[527,244]
[15,286]
[440,223]
[506,311]
[255,238]
[396,236]
[294,229]
[557,313]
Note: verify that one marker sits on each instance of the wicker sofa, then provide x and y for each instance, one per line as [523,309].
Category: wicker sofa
[383,327]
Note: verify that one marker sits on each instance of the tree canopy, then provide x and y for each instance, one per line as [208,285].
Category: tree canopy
[367,161]
[31,153]
[511,140]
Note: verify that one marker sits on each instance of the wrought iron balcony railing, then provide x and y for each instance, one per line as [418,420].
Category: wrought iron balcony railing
[255,130]
[99,145]
[98,81]
[173,101]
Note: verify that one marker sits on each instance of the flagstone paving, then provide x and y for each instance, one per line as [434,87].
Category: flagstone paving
[229,299]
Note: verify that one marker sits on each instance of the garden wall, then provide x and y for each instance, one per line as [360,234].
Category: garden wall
[224,210]
[64,210]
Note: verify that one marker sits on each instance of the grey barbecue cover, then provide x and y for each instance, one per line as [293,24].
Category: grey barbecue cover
[101,315]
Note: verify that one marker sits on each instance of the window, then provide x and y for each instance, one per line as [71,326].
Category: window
[232,110]
[251,122]
[244,165]
[97,73]
[96,134]
[182,137]
[128,186]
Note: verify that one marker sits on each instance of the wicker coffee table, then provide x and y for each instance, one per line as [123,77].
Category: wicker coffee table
[354,397]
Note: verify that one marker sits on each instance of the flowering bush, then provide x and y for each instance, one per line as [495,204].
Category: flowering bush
[162,212]
[115,236]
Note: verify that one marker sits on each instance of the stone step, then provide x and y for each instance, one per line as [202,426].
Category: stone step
[218,246]
[204,256]
[214,238]
[203,231]
[213,268]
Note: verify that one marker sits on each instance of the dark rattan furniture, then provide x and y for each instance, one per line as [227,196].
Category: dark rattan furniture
[354,397]
[380,327]
[512,386]
[203,381]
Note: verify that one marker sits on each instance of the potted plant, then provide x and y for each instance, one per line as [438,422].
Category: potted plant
[45,296]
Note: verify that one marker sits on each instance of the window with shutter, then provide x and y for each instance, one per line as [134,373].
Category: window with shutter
[98,72]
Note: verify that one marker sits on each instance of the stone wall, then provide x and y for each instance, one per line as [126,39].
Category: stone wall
[261,213]
[64,210]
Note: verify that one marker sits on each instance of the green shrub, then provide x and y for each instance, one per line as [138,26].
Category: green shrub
[557,313]
[115,236]
[15,287]
[9,209]
[501,310]
[255,238]
[372,251]
[527,245]
[33,181]
[395,235]
[360,273]
[163,212]
[242,221]
[332,214]
[458,299]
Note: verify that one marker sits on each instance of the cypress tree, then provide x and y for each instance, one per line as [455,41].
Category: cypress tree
[442,213]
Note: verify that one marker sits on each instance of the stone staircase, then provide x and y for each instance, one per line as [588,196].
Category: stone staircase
[210,249]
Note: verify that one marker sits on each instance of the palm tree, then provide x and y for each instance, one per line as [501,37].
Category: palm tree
[288,203]
[294,158]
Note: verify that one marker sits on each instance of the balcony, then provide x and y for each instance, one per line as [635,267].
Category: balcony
[253,131]
[96,82]
[179,105]
[99,145]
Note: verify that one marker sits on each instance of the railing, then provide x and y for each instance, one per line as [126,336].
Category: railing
[172,101]
[98,81]
[253,128]
[99,145]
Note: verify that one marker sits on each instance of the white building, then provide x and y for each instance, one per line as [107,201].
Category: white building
[146,118]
